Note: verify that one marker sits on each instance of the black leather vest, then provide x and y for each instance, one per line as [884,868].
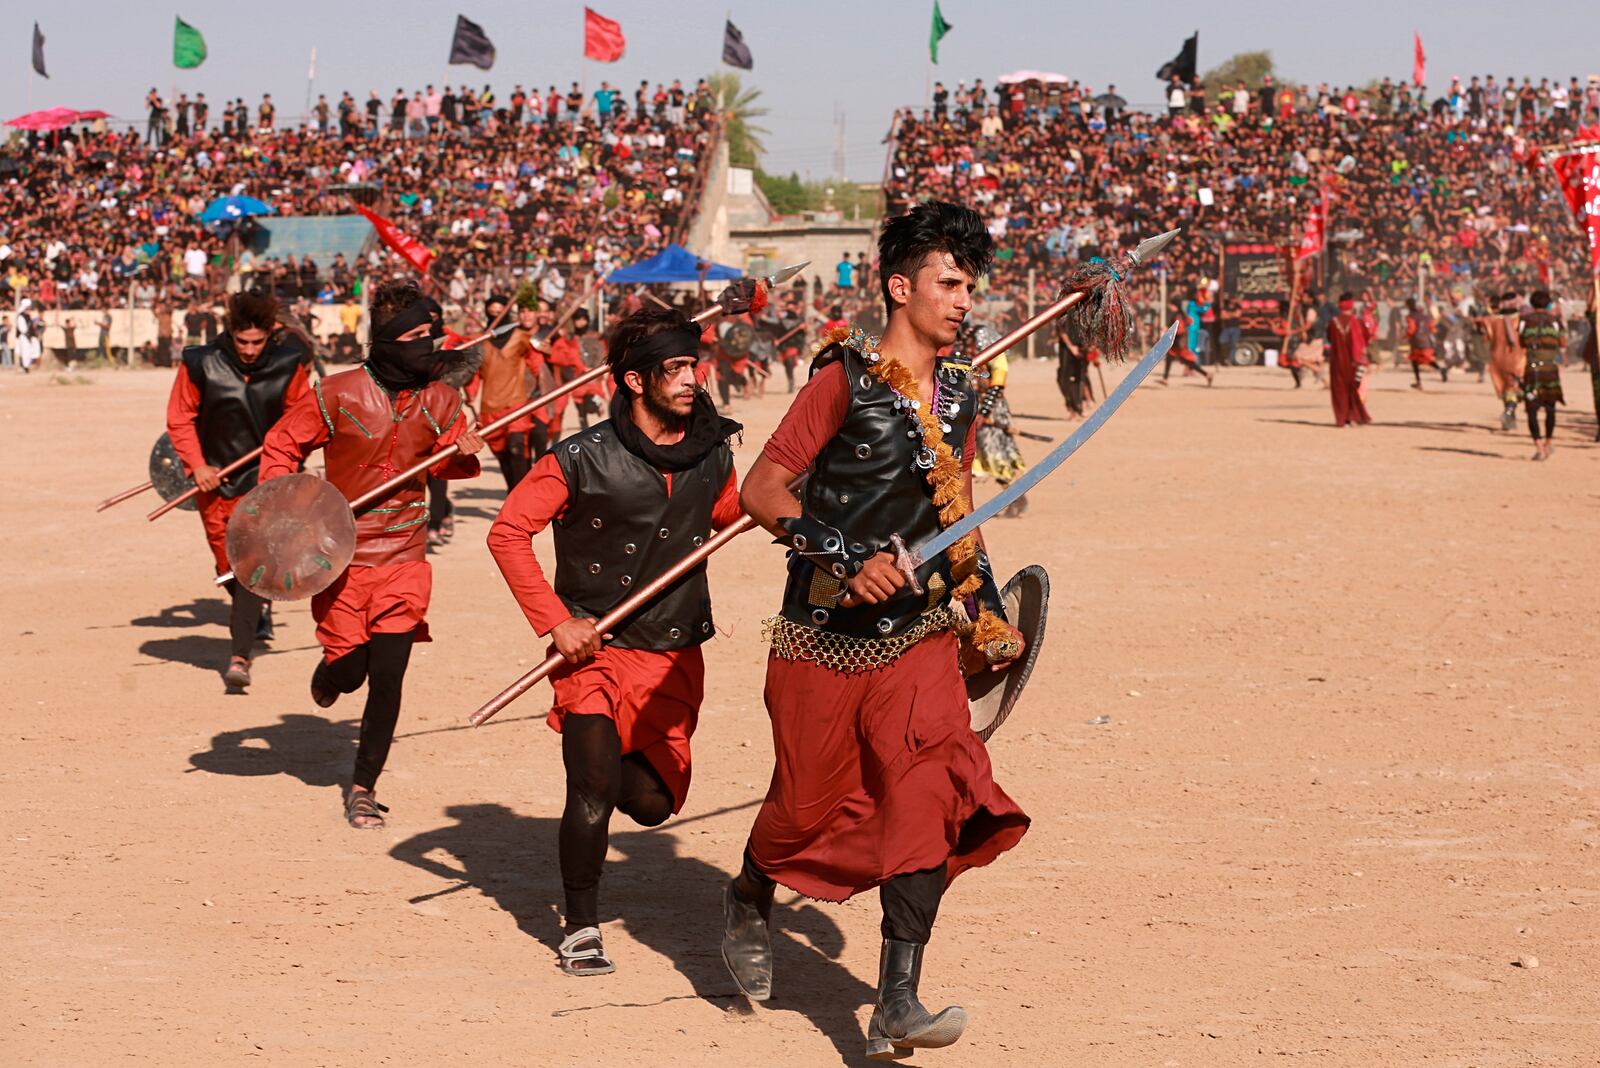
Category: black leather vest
[866,482]
[621,530]
[236,411]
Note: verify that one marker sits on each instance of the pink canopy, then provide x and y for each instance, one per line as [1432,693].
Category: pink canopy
[53,119]
[1033,76]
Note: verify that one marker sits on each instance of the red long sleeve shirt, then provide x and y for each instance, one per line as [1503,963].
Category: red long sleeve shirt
[302,431]
[183,413]
[539,499]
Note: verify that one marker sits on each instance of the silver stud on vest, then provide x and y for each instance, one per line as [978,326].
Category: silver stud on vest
[885,626]
[674,634]
[866,381]
[863,452]
[573,448]
[627,580]
[819,616]
[698,541]
[663,532]
[844,498]
[595,436]
[596,523]
[594,569]
[705,628]
[630,548]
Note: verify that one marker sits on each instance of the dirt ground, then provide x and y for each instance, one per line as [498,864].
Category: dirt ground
[1308,759]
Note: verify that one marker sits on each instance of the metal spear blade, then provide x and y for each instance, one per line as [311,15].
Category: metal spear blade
[1150,246]
[786,274]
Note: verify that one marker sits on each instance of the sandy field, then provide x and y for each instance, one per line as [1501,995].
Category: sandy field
[1309,759]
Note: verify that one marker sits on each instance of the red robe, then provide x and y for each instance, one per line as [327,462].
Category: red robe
[183,427]
[653,696]
[877,773]
[1346,352]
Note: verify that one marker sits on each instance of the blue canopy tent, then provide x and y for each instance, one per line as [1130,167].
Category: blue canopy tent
[232,209]
[672,264]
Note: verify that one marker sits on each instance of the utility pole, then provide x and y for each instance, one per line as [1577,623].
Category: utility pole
[840,160]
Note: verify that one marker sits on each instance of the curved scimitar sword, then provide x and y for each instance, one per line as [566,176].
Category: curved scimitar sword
[909,558]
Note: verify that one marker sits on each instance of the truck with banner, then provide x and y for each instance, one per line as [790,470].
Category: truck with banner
[1255,283]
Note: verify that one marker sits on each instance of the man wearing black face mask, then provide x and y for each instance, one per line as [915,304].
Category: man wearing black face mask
[629,498]
[373,422]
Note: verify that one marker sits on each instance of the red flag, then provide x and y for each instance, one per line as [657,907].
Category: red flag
[602,37]
[1579,173]
[415,252]
[1419,65]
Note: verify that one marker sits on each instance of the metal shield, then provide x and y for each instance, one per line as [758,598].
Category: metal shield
[291,537]
[992,695]
[166,473]
[737,338]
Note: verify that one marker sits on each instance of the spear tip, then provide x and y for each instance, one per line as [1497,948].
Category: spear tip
[1152,246]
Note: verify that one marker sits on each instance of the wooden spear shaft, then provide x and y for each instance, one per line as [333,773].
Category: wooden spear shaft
[194,491]
[631,604]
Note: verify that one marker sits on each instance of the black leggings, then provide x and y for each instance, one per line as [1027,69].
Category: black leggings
[438,502]
[600,779]
[381,664]
[514,463]
[1549,419]
[910,902]
[243,619]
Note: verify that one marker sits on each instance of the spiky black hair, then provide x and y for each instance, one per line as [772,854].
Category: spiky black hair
[928,229]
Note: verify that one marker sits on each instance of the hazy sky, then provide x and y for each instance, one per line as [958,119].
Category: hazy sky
[863,56]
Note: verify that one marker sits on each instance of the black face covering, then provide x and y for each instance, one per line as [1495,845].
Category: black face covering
[703,431]
[407,365]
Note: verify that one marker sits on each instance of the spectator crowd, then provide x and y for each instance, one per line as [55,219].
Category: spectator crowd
[1448,187]
[549,185]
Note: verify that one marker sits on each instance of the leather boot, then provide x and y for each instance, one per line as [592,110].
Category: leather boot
[900,1024]
[746,946]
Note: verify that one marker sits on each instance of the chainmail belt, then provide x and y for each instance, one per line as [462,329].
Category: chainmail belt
[840,652]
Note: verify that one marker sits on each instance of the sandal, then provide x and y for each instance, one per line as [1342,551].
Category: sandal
[582,953]
[362,811]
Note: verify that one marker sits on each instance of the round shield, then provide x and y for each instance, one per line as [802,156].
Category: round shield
[737,339]
[291,537]
[166,473]
[992,695]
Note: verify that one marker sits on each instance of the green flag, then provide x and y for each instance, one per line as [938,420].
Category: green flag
[188,47]
[940,28]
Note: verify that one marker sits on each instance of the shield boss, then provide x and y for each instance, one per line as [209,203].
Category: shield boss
[291,537]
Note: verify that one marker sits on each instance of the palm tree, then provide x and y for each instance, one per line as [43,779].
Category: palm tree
[738,109]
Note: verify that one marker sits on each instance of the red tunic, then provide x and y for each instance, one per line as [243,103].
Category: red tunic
[183,415]
[367,436]
[1347,351]
[1419,341]
[653,696]
[877,773]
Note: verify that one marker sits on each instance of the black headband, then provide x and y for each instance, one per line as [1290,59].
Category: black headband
[657,349]
[423,310]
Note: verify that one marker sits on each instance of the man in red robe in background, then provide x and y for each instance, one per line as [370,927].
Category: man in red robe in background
[502,380]
[629,498]
[1348,336]
[224,399]
[372,422]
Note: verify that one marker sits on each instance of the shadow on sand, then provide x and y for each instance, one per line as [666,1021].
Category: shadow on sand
[666,901]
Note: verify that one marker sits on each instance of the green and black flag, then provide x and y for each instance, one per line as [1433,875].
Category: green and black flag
[188,46]
[940,28]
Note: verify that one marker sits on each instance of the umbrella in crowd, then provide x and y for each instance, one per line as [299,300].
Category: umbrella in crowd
[1047,77]
[53,119]
[1111,100]
[233,209]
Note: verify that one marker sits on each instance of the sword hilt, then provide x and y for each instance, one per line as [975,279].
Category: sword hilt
[906,561]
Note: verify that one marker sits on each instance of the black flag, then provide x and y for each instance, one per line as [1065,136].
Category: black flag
[471,44]
[38,52]
[1183,64]
[735,53]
